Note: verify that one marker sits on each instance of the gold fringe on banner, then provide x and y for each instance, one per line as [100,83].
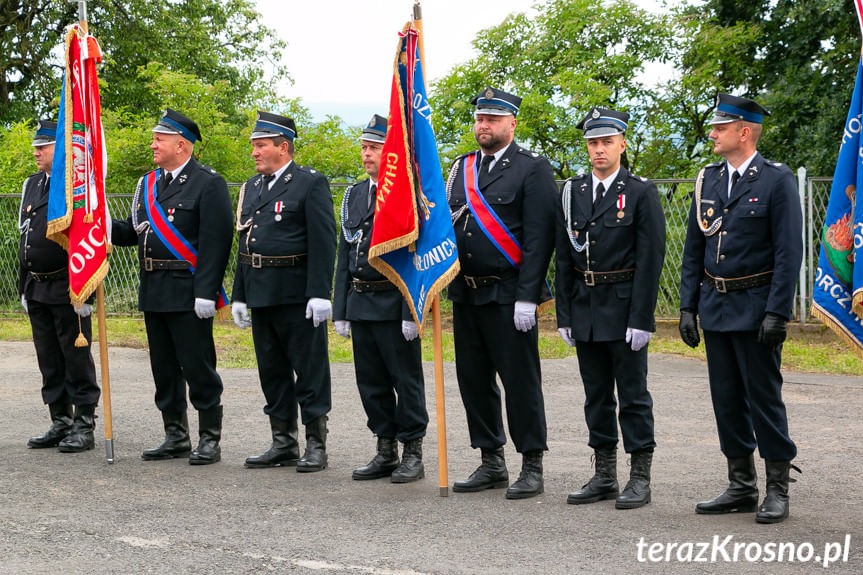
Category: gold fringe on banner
[837,328]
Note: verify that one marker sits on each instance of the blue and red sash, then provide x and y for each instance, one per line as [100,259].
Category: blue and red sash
[168,234]
[489,222]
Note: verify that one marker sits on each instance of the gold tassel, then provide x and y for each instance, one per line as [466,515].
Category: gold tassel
[88,218]
[80,341]
[224,313]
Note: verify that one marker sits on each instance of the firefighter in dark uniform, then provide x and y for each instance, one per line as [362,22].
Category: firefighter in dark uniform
[495,296]
[179,302]
[69,385]
[740,264]
[287,251]
[387,352]
[610,249]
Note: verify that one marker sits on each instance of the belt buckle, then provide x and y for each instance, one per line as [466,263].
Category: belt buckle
[148,264]
[719,284]
[257,261]
[589,280]
[470,281]
[358,287]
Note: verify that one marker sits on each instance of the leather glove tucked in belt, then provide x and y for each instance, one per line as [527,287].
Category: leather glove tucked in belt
[85,310]
[637,338]
[240,313]
[24,303]
[410,330]
[205,308]
[566,335]
[524,315]
[318,310]
[773,330]
[343,328]
[689,328]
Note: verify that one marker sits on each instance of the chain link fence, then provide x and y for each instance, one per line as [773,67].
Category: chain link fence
[676,194]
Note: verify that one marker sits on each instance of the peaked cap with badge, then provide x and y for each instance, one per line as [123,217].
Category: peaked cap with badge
[269,125]
[734,108]
[375,130]
[173,122]
[46,133]
[601,122]
[496,102]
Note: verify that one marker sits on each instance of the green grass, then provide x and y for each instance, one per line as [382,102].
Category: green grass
[813,350]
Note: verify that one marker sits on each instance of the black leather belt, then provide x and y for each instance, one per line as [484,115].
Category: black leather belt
[259,261]
[361,286]
[475,282]
[723,285]
[149,264]
[592,278]
[48,276]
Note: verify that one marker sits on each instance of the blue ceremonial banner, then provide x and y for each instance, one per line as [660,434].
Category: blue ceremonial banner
[837,298]
[413,242]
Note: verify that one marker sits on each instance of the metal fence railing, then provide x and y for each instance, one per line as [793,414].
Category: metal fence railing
[676,194]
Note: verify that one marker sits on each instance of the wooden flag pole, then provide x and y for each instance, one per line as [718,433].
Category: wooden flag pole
[100,309]
[443,478]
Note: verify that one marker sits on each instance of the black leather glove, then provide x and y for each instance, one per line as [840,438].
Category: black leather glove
[689,328]
[773,330]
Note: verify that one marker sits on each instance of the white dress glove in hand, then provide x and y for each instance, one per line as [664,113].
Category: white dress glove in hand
[85,310]
[566,335]
[343,327]
[240,313]
[410,330]
[205,308]
[318,310]
[524,316]
[24,303]
[637,338]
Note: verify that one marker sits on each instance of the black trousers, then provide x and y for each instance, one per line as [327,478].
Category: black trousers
[68,372]
[390,379]
[287,343]
[746,389]
[487,344]
[182,351]
[602,365]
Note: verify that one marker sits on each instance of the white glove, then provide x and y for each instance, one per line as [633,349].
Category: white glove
[318,310]
[410,330]
[85,310]
[637,338]
[240,313]
[24,303]
[205,308]
[525,315]
[566,335]
[343,328]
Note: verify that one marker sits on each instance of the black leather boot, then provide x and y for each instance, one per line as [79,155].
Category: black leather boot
[741,496]
[61,425]
[383,463]
[285,449]
[80,438]
[637,491]
[411,467]
[491,474]
[774,508]
[603,484]
[315,456]
[177,443]
[529,482]
[209,433]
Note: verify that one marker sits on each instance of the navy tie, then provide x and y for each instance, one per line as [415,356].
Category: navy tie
[600,190]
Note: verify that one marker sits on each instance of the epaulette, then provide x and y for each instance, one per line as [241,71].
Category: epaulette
[462,156]
[208,169]
[307,169]
[777,165]
[577,177]
[639,178]
[714,165]
[528,153]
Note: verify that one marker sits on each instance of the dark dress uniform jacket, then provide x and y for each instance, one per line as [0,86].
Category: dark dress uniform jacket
[36,253]
[353,263]
[634,241]
[520,188]
[307,226]
[202,214]
[760,231]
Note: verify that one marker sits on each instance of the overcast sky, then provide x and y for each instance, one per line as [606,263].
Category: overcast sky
[340,52]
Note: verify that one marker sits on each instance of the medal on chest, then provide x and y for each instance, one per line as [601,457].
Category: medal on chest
[171,214]
[277,209]
[621,203]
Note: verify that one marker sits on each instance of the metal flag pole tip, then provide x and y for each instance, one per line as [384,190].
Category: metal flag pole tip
[444,491]
[109,450]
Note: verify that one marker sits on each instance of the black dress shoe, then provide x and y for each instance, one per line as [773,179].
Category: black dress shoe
[741,496]
[491,474]
[176,443]
[529,482]
[80,437]
[285,449]
[210,433]
[411,468]
[61,425]
[603,484]
[385,461]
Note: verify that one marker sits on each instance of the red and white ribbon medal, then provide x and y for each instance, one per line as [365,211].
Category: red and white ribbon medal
[277,208]
[170,214]
[621,203]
